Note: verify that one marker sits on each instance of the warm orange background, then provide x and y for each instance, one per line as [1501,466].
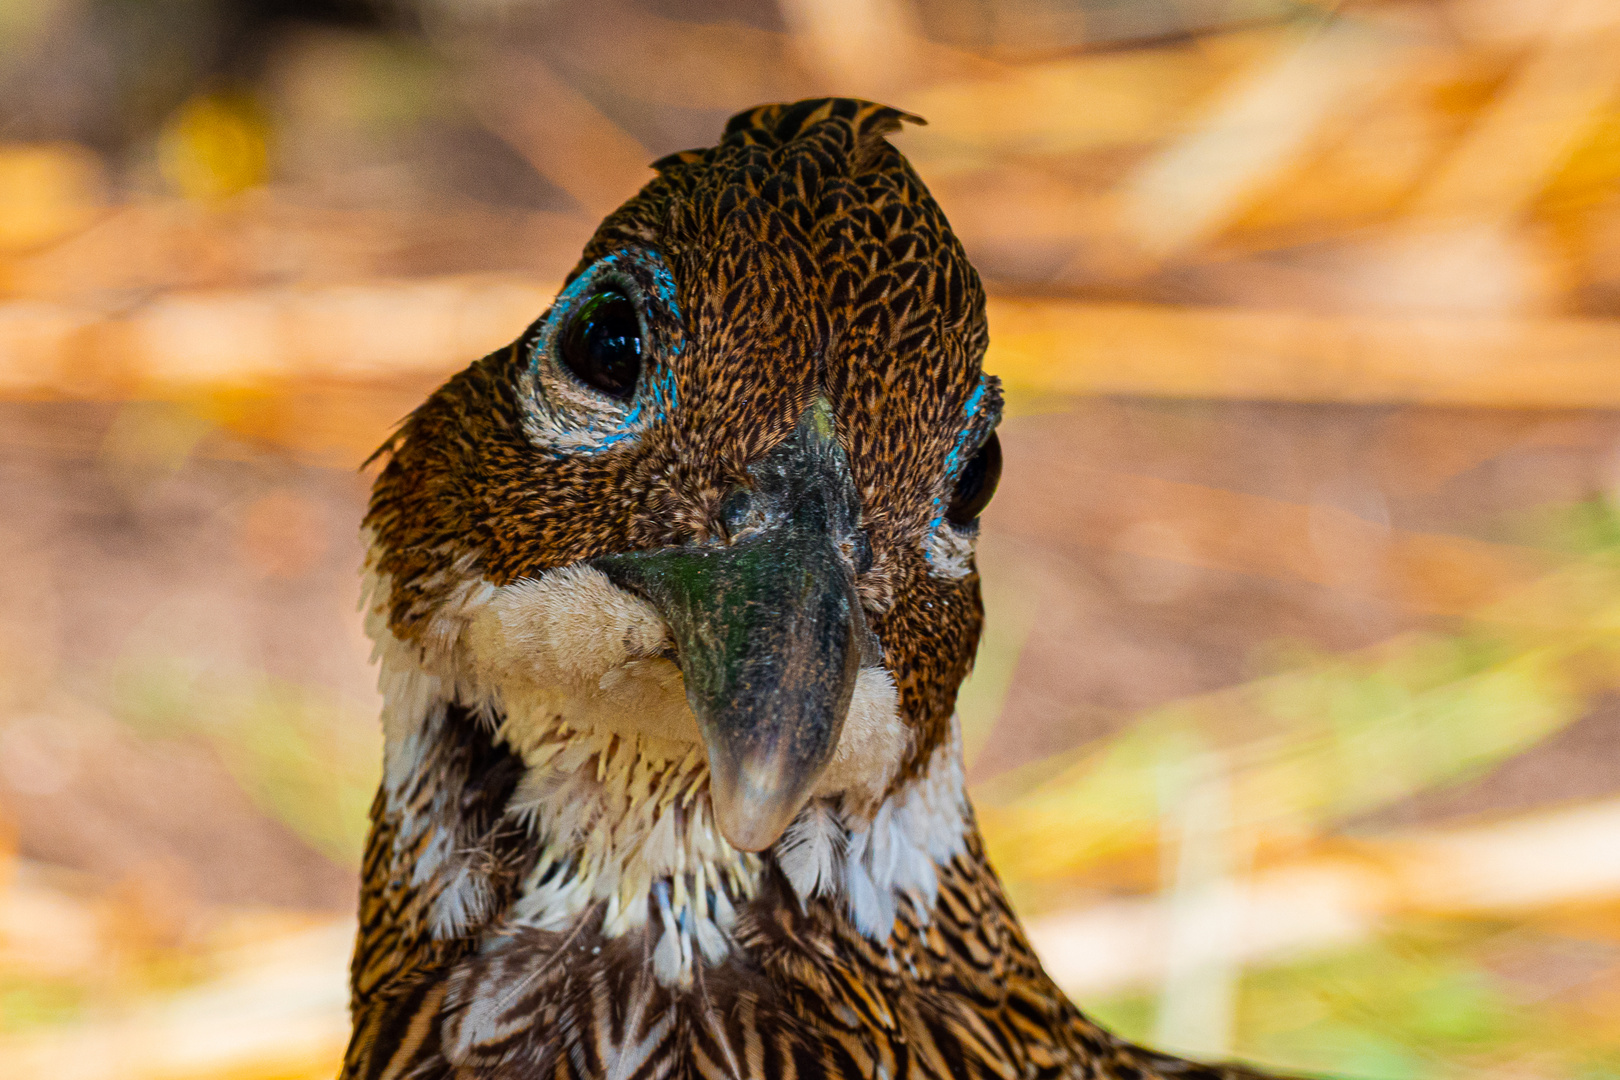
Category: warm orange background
[1296,730]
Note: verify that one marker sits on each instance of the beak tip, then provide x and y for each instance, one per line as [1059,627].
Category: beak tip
[748,835]
[752,815]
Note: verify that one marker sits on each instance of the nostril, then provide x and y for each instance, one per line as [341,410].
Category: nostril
[734,511]
[861,555]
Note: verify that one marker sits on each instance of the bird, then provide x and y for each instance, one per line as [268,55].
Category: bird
[671,599]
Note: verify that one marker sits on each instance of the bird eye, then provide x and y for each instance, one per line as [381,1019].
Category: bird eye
[601,344]
[975,484]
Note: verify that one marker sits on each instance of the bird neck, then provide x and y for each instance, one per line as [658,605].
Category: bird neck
[496,829]
[558,804]
[628,842]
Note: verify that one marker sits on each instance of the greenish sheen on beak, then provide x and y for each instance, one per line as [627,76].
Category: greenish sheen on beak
[768,629]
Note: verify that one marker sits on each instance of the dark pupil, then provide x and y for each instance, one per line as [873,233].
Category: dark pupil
[975,484]
[602,344]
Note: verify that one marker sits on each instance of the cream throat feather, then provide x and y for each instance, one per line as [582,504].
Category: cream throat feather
[572,674]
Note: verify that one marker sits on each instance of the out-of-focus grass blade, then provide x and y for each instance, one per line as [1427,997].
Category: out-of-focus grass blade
[1339,737]
[308,758]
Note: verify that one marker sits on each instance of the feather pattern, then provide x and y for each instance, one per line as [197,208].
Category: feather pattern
[546,891]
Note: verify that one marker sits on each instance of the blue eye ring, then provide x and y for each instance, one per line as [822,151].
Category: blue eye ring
[975,484]
[981,414]
[581,405]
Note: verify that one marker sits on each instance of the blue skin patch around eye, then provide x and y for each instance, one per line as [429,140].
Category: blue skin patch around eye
[953,460]
[655,393]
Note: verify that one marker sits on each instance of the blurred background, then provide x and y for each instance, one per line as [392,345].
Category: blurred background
[1296,731]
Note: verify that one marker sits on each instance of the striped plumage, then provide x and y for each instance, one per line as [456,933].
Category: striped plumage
[620,834]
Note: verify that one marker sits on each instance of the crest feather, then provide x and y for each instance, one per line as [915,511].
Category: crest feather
[774,126]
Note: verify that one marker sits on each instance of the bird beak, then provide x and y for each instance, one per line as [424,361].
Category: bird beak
[768,629]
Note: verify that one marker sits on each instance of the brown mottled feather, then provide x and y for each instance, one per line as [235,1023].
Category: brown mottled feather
[809,259]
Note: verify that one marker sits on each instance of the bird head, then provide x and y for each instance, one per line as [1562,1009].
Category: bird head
[725,490]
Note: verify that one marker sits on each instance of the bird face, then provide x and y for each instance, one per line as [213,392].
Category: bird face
[725,491]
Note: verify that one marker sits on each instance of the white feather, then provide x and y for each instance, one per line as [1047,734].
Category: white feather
[809,851]
[615,791]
